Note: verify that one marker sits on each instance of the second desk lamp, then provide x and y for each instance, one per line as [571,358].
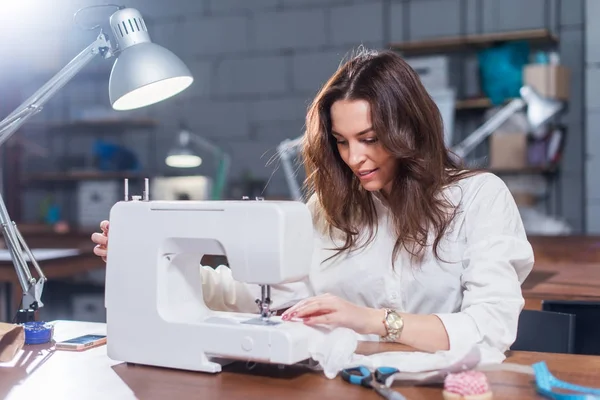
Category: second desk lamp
[183,155]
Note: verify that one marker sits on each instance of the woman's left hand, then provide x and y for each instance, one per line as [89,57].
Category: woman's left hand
[331,310]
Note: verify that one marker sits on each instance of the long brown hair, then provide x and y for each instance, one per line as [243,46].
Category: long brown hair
[409,125]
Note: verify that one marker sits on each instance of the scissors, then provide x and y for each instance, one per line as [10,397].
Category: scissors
[362,376]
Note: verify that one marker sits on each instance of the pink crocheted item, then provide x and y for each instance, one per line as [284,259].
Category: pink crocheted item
[466,383]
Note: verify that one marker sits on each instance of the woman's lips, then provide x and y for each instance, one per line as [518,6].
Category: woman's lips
[367,174]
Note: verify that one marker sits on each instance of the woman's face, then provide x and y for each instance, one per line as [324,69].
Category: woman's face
[359,146]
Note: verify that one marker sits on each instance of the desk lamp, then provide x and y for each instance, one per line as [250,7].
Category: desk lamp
[143,73]
[539,111]
[286,150]
[183,156]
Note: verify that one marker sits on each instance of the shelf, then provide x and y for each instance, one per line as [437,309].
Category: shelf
[473,104]
[43,230]
[79,176]
[524,171]
[106,124]
[476,103]
[477,41]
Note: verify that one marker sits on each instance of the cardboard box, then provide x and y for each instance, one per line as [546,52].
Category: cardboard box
[548,80]
[508,151]
[432,71]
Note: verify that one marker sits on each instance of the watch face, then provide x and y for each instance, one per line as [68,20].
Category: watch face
[395,321]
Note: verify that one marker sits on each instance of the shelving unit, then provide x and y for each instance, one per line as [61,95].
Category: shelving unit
[537,37]
[99,129]
[75,176]
[65,179]
[473,107]
[100,125]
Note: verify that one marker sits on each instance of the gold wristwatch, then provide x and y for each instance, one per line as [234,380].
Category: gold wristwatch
[393,324]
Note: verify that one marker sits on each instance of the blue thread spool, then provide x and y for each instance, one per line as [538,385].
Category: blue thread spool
[37,332]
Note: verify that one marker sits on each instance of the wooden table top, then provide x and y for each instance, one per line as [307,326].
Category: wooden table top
[58,268]
[566,268]
[92,375]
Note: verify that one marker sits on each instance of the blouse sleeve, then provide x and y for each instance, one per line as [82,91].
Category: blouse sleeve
[221,292]
[497,259]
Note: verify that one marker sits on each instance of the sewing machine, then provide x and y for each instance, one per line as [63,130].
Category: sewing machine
[156,313]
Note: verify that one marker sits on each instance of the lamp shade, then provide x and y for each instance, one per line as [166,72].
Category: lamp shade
[181,155]
[183,159]
[539,109]
[144,73]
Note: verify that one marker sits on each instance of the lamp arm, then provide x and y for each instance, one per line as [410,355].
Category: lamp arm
[222,174]
[284,148]
[205,144]
[485,130]
[35,103]
[32,289]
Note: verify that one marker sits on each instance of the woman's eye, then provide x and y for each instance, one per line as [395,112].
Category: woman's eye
[371,140]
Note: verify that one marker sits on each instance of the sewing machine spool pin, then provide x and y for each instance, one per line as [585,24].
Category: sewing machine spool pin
[145,195]
[146,189]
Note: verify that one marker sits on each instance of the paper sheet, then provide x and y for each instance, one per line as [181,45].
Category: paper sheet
[42,254]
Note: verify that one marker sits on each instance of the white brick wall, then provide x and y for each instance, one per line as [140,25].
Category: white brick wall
[311,70]
[236,6]
[215,35]
[287,108]
[216,118]
[444,21]
[160,10]
[361,23]
[258,63]
[293,29]
[251,76]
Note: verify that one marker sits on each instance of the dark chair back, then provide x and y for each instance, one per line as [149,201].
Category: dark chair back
[545,331]
[587,323]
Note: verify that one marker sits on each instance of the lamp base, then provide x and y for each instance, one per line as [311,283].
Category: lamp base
[25,315]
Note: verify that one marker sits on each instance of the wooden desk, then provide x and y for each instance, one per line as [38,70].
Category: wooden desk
[59,268]
[566,268]
[92,375]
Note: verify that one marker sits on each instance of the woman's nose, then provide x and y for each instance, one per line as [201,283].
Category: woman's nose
[357,156]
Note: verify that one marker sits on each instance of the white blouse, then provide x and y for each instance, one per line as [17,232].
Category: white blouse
[475,290]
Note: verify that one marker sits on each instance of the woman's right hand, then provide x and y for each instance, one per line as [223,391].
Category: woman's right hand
[101,240]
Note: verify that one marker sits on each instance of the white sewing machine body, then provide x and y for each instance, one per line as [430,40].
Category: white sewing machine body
[156,313]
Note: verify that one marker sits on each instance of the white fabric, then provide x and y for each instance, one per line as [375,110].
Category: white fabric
[475,291]
[334,350]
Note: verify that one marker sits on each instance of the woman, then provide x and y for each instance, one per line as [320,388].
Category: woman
[409,246]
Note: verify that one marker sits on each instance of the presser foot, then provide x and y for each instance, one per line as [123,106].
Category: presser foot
[264,303]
